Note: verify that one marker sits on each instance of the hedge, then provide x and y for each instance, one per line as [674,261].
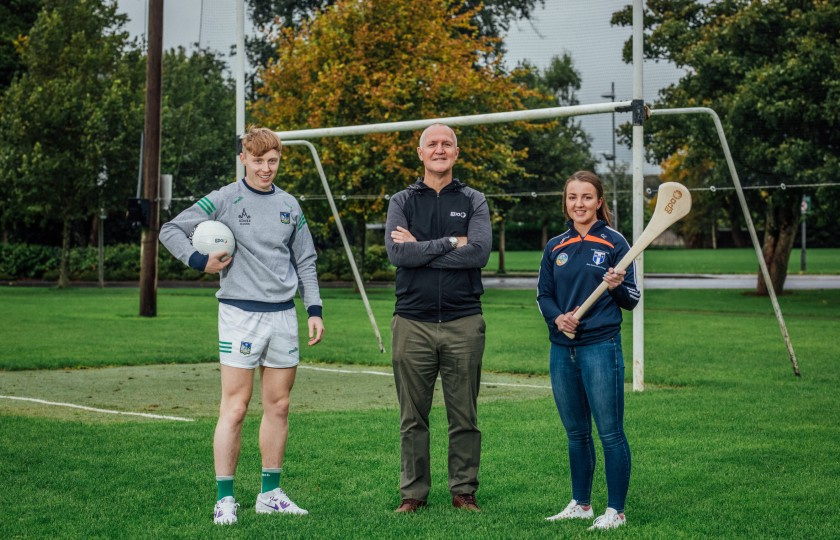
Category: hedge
[122,263]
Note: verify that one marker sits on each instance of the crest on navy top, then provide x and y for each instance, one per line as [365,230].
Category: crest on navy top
[598,257]
[245,347]
[285,218]
[562,259]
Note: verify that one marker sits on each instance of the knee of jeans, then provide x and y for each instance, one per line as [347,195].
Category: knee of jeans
[579,436]
[613,439]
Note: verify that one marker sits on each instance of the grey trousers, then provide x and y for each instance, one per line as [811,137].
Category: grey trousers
[421,351]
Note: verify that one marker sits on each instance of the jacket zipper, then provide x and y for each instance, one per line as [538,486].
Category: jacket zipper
[439,273]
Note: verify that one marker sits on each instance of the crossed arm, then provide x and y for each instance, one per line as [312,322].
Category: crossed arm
[472,251]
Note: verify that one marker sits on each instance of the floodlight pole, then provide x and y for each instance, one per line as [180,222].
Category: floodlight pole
[750,227]
[612,157]
[638,193]
[240,78]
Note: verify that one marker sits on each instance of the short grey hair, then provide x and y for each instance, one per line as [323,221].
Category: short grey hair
[423,135]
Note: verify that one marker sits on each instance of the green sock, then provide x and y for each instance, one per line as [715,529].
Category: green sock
[270,479]
[224,487]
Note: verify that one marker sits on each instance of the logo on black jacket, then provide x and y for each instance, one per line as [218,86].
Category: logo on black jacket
[458,214]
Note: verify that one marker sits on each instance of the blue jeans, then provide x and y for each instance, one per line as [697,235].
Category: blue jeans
[588,382]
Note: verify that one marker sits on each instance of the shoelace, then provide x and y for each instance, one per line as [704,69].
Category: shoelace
[607,518]
[572,510]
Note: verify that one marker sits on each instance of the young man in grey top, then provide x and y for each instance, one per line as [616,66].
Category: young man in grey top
[274,259]
[438,236]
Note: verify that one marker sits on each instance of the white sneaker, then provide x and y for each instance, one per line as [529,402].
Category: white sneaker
[610,520]
[225,511]
[276,501]
[572,511]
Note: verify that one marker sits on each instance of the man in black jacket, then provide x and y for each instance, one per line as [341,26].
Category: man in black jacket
[438,236]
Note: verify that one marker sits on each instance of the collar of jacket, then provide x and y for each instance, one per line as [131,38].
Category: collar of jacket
[597,226]
[418,186]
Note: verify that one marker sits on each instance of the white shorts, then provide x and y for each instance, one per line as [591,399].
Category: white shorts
[249,339]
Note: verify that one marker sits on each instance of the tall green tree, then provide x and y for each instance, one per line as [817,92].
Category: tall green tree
[556,149]
[770,69]
[380,61]
[18,16]
[198,145]
[66,120]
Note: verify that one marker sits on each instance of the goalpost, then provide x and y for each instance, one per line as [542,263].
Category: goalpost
[639,113]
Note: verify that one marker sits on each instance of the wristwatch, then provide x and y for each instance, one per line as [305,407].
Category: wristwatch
[453,242]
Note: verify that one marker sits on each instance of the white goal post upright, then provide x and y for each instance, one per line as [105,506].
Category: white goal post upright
[638,193]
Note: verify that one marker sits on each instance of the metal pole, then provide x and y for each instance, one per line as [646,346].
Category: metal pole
[638,195]
[341,233]
[750,227]
[612,157]
[240,78]
[454,121]
[802,256]
[102,216]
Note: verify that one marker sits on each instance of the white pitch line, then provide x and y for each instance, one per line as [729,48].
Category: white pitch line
[94,409]
[388,374]
[335,370]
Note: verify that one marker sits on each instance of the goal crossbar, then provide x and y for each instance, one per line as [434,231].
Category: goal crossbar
[458,121]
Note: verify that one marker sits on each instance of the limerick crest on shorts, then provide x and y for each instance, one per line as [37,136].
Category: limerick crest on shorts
[245,347]
[598,257]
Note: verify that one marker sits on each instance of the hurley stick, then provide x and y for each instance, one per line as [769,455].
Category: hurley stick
[672,204]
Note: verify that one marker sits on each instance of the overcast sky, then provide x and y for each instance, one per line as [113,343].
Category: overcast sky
[580,27]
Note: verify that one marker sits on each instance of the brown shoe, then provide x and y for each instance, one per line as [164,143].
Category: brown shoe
[466,502]
[410,505]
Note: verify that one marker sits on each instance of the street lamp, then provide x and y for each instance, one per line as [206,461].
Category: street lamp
[611,157]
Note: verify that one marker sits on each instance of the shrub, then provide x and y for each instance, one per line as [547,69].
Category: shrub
[333,264]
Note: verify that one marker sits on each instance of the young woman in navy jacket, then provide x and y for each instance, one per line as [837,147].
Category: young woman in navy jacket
[587,371]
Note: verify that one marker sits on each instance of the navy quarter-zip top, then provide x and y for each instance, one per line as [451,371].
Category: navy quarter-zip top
[436,282]
[573,265]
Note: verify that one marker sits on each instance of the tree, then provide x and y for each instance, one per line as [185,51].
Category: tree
[18,16]
[66,120]
[492,18]
[388,60]
[770,70]
[556,149]
[198,115]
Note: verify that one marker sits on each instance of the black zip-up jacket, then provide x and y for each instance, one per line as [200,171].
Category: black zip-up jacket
[436,282]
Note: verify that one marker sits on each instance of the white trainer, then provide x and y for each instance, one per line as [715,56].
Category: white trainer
[225,511]
[276,501]
[572,511]
[610,520]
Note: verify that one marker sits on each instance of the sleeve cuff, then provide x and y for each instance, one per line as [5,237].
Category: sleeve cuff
[315,311]
[198,261]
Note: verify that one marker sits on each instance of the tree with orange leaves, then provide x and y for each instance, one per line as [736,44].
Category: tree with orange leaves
[366,61]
